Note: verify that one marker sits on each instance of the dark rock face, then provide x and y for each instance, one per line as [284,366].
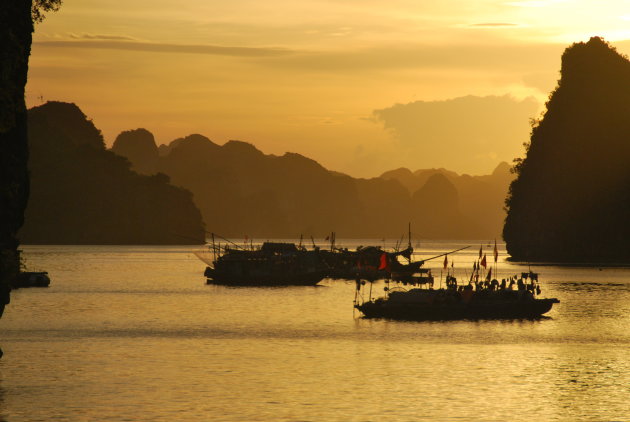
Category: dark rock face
[139,147]
[242,191]
[479,200]
[571,199]
[84,194]
[437,205]
[16,28]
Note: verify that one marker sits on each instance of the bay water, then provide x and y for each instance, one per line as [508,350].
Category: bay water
[133,333]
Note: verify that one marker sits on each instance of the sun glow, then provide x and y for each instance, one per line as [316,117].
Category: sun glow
[207,66]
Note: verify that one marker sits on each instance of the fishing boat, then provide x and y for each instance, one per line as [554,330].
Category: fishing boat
[366,262]
[271,264]
[275,263]
[475,300]
[31,279]
[373,263]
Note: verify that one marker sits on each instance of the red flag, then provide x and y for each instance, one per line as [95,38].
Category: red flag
[384,265]
[489,276]
[445,261]
[496,251]
[483,262]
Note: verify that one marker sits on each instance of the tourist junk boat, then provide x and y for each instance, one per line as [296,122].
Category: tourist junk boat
[372,263]
[271,264]
[367,263]
[488,299]
[275,263]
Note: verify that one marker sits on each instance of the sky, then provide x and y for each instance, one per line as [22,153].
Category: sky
[361,86]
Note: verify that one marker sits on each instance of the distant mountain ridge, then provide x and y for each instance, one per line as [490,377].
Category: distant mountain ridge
[480,198]
[83,194]
[242,191]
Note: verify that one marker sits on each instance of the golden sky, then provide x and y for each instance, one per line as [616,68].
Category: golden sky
[362,86]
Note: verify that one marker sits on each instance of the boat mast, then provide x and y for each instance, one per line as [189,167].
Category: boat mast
[214,250]
[409,244]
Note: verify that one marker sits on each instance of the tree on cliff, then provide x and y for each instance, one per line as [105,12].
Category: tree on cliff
[571,198]
[16,27]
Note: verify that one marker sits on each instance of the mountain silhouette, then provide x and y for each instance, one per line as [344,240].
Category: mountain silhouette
[571,199]
[139,147]
[83,194]
[480,198]
[243,192]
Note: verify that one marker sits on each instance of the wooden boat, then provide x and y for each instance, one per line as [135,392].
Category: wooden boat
[367,263]
[31,279]
[460,302]
[372,263]
[272,264]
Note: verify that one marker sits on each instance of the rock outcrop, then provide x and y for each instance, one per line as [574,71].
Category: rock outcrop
[16,28]
[571,199]
[83,194]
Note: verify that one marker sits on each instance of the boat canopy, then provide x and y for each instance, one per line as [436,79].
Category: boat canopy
[275,247]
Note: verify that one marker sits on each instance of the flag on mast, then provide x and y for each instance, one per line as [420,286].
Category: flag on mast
[496,251]
[480,252]
[384,264]
[483,262]
[445,261]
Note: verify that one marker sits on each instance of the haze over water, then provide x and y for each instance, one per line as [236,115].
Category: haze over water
[133,333]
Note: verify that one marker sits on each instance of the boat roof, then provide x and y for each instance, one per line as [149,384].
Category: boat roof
[277,247]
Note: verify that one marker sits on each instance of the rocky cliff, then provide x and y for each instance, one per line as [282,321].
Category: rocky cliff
[571,199]
[83,194]
[15,40]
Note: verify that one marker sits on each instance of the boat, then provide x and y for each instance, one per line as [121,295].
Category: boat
[31,279]
[275,263]
[489,300]
[372,263]
[271,264]
[366,262]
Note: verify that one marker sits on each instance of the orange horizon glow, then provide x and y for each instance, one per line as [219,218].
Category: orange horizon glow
[314,76]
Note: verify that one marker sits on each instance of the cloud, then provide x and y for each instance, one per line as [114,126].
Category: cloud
[493,58]
[494,25]
[488,58]
[469,133]
[85,36]
[117,44]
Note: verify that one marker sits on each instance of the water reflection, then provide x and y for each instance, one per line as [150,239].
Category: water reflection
[589,380]
[135,333]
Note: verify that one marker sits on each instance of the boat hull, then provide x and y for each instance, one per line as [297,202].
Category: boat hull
[525,309]
[31,279]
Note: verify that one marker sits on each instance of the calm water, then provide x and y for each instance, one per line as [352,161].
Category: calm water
[133,333]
